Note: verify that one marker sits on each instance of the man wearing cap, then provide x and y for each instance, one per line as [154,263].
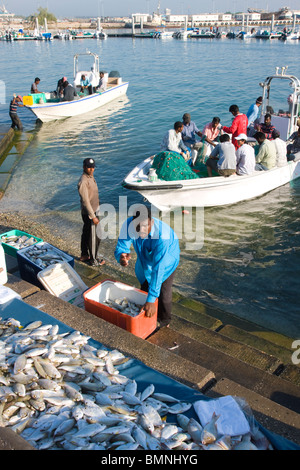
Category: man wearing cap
[245,156]
[89,200]
[15,120]
[252,115]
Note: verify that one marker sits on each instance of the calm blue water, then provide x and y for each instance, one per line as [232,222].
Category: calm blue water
[249,262]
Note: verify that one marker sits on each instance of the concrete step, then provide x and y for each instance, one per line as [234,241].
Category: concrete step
[223,365]
[226,345]
[226,318]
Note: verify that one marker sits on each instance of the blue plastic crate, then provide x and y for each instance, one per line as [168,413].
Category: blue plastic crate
[29,270]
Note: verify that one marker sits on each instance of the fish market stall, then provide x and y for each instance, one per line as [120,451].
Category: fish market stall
[60,389]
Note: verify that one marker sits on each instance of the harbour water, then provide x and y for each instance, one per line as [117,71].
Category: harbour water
[248,263]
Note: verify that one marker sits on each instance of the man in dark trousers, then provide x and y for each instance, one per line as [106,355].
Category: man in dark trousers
[89,200]
[158,252]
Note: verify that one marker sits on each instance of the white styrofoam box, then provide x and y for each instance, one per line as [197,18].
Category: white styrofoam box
[62,281]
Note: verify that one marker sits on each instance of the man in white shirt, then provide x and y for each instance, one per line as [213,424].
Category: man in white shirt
[245,156]
[222,159]
[172,141]
[102,85]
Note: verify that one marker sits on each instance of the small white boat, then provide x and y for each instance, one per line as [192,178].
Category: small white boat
[202,33]
[48,107]
[219,190]
[182,34]
[163,35]
[207,192]
[101,34]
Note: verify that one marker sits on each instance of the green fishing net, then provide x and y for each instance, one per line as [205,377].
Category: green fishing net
[171,166]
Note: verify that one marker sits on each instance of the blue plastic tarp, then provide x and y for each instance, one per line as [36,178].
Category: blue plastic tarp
[136,370]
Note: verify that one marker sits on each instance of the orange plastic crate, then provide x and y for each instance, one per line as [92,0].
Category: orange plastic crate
[140,325]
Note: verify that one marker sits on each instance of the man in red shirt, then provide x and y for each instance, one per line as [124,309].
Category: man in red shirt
[239,124]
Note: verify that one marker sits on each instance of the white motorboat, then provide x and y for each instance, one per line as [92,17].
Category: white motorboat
[219,190]
[197,33]
[182,34]
[207,192]
[163,34]
[48,107]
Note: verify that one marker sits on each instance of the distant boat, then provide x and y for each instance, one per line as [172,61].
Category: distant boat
[197,33]
[163,34]
[264,34]
[82,35]
[142,34]
[48,107]
[181,34]
[290,36]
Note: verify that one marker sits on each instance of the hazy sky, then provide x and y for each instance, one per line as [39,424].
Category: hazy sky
[93,8]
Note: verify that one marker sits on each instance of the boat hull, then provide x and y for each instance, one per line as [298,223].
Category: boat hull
[208,192]
[64,109]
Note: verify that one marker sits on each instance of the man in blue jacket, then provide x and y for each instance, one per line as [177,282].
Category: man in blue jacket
[157,249]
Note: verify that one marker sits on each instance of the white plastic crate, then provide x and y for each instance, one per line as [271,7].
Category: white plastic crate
[62,281]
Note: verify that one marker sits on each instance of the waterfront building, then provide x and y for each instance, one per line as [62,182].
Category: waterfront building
[250,16]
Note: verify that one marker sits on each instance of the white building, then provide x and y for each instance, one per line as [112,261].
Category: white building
[250,16]
[225,17]
[138,17]
[175,18]
[204,17]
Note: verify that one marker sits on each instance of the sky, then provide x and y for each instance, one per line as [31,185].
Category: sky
[94,8]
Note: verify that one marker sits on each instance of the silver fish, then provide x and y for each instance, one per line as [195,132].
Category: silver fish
[147,392]
[245,444]
[209,432]
[20,363]
[195,430]
[58,391]
[179,408]
[89,430]
[165,397]
[64,427]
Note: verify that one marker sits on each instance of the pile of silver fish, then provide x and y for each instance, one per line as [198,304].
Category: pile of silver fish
[124,306]
[44,256]
[59,392]
[19,241]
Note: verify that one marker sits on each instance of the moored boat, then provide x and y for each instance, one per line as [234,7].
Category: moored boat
[48,107]
[207,192]
[202,33]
